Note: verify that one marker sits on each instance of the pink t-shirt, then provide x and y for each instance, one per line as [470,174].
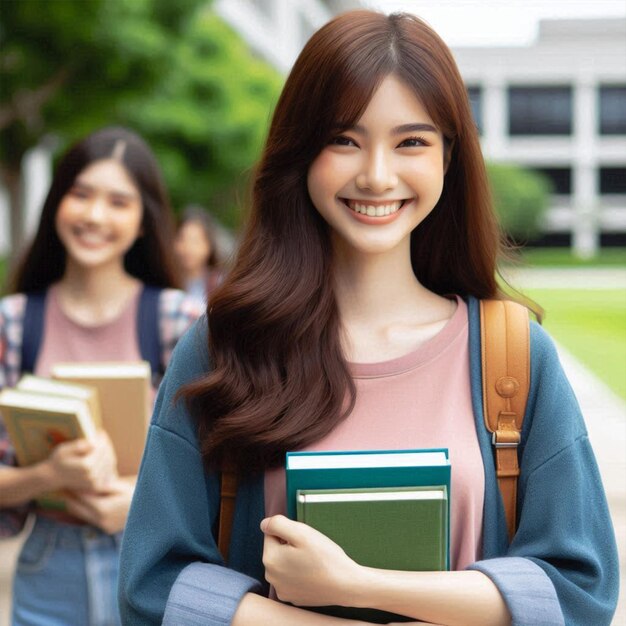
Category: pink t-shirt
[66,340]
[420,400]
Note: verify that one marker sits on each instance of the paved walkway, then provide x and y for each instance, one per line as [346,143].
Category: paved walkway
[605,415]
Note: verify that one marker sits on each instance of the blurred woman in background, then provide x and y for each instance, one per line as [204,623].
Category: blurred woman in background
[99,267]
[197,252]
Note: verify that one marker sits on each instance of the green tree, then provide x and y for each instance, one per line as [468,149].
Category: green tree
[521,197]
[208,117]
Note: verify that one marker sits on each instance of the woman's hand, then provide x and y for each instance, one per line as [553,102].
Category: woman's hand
[83,464]
[108,509]
[304,566]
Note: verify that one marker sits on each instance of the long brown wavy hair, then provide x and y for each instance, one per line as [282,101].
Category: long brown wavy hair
[279,380]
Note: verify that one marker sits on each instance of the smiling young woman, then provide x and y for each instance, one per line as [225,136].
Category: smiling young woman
[350,322]
[100,261]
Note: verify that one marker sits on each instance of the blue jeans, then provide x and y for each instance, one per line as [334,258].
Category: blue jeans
[66,576]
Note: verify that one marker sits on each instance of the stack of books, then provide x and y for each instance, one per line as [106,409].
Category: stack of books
[124,392]
[39,413]
[387,509]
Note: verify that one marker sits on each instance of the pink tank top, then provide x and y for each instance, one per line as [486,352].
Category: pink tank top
[420,400]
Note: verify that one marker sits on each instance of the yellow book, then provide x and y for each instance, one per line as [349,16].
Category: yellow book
[36,423]
[125,399]
[50,387]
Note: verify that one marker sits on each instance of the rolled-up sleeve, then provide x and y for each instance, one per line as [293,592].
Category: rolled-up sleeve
[527,590]
[206,595]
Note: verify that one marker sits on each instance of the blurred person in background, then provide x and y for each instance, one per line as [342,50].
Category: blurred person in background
[198,253]
[100,262]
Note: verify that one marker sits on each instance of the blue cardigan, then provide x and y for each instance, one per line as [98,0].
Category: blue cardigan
[561,567]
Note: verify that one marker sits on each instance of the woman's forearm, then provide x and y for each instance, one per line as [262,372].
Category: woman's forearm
[19,485]
[306,568]
[464,598]
[255,610]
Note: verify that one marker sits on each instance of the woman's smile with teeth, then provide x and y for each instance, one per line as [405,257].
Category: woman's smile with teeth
[378,209]
[90,237]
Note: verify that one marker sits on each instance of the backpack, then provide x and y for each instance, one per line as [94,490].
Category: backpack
[147,330]
[505,365]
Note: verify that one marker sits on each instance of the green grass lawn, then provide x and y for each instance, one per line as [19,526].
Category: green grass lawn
[591,324]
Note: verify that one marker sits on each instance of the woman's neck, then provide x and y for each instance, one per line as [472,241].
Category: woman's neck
[385,311]
[197,273]
[95,296]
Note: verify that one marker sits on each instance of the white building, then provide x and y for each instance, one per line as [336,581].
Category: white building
[37,176]
[278,29]
[559,106]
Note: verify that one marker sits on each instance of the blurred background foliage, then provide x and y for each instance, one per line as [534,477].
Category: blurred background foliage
[521,197]
[208,117]
[173,71]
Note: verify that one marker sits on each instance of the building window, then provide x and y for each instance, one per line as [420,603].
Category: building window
[540,110]
[612,180]
[475,95]
[612,109]
[559,177]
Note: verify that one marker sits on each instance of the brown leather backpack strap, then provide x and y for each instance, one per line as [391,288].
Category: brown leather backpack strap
[228,495]
[505,345]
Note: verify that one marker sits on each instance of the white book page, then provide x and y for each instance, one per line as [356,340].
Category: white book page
[53,387]
[373,496]
[379,459]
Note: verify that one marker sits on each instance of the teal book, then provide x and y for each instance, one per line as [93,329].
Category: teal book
[367,469]
[397,528]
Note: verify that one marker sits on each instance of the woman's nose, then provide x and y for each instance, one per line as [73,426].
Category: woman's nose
[96,210]
[378,174]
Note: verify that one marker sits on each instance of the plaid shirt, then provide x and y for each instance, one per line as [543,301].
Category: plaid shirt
[177,312]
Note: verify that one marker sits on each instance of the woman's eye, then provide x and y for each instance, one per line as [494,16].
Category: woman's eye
[413,142]
[342,140]
[81,194]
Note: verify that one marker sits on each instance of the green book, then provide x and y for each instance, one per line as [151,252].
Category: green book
[403,528]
